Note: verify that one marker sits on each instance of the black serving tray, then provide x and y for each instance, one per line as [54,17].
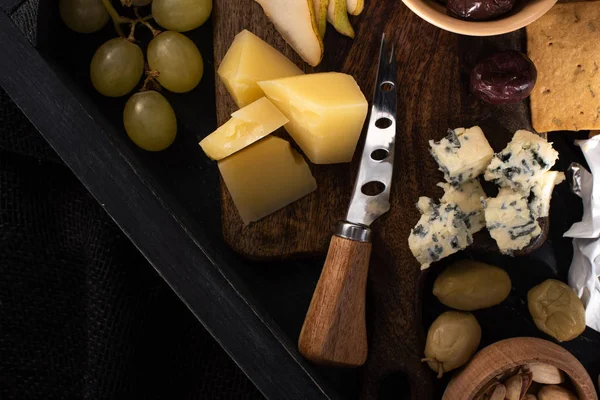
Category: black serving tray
[168,205]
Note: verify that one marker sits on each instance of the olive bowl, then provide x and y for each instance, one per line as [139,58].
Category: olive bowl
[499,357]
[524,13]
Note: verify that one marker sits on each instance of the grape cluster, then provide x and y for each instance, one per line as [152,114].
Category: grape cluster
[173,60]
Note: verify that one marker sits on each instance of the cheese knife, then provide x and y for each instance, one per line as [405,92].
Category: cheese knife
[334,330]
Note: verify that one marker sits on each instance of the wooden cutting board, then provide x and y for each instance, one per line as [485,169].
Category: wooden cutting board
[433,95]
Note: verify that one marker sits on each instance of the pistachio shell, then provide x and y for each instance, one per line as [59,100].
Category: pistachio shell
[513,387]
[499,392]
[553,392]
[546,374]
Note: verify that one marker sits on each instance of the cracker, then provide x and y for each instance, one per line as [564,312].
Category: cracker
[564,45]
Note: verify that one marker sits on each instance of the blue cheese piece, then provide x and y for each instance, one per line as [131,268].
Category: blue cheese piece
[441,231]
[462,155]
[468,196]
[541,193]
[509,220]
[520,164]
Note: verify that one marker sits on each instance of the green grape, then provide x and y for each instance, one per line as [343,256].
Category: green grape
[83,16]
[181,15]
[150,121]
[178,61]
[117,67]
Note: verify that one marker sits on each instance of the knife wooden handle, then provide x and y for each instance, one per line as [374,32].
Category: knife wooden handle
[334,330]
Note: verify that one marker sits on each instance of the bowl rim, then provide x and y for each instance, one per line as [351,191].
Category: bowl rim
[500,356]
[532,10]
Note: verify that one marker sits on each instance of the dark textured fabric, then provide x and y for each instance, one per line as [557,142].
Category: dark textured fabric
[82,314]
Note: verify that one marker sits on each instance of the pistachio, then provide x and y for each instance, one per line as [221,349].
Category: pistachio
[469,285]
[499,392]
[514,385]
[527,380]
[553,392]
[546,374]
[451,341]
[530,396]
[556,310]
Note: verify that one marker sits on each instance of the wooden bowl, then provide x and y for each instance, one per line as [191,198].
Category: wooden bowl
[434,12]
[501,356]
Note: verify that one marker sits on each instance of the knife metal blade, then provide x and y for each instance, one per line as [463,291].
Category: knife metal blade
[377,162]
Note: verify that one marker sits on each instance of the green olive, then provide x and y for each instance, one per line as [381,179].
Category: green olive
[451,341]
[556,310]
[469,285]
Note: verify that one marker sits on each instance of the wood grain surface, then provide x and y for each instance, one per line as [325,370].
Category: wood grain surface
[335,331]
[433,95]
[506,354]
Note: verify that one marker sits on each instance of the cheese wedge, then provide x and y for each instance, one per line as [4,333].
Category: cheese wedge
[326,112]
[266,177]
[245,127]
[249,60]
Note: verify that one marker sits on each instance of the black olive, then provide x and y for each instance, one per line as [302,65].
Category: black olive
[506,77]
[478,10]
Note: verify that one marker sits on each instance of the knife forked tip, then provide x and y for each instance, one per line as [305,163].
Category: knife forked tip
[383,51]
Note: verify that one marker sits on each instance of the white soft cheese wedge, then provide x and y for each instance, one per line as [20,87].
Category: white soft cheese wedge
[245,127]
[468,196]
[295,21]
[441,231]
[521,163]
[326,112]
[541,193]
[249,60]
[266,177]
[462,155]
[510,221]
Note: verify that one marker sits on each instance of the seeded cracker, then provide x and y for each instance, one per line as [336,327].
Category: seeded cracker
[564,45]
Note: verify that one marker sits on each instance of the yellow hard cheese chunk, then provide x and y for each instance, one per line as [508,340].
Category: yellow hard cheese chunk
[249,60]
[245,127]
[326,112]
[265,177]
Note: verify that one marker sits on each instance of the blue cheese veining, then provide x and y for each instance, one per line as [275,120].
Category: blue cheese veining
[441,231]
[462,155]
[522,161]
[468,197]
[510,221]
[541,193]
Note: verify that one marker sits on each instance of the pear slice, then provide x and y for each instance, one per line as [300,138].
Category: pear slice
[337,15]
[320,7]
[355,7]
[295,21]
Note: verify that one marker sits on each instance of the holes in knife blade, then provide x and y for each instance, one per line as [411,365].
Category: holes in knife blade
[373,188]
[379,154]
[387,86]
[383,123]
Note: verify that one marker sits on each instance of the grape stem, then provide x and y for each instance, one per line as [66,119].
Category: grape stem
[151,76]
[131,37]
[144,21]
[116,18]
